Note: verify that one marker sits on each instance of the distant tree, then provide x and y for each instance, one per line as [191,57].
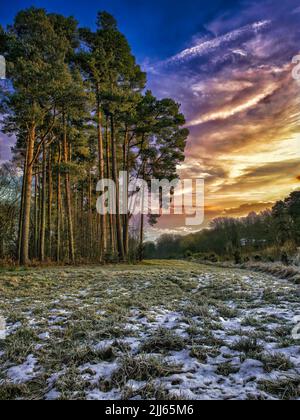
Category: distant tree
[238,238]
[149,250]
[282,222]
[292,204]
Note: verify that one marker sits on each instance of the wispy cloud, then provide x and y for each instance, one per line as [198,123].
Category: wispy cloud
[224,114]
[206,47]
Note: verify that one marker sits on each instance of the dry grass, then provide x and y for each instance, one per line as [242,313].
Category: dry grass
[76,322]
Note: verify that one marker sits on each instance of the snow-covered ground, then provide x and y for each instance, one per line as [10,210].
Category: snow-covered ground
[162,330]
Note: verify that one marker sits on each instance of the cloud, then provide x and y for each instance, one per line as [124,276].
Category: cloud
[248,208]
[206,47]
[6,143]
[242,107]
[227,112]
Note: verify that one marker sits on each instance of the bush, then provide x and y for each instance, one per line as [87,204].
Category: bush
[237,257]
[188,254]
[213,258]
[285,258]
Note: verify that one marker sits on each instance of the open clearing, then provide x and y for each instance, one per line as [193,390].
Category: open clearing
[160,330]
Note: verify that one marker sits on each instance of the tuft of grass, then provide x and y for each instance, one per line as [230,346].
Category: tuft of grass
[71,386]
[20,345]
[227,312]
[142,368]
[209,340]
[287,342]
[277,361]
[32,390]
[162,341]
[73,354]
[249,346]
[9,391]
[284,389]
[200,353]
[270,296]
[251,322]
[193,329]
[202,311]
[226,369]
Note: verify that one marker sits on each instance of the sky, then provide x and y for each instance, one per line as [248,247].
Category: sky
[229,64]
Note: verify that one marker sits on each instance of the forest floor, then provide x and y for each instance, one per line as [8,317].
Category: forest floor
[160,330]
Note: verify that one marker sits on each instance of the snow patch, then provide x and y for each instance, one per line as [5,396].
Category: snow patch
[25,372]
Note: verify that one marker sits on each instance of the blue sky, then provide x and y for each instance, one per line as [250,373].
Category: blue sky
[156,28]
[229,64]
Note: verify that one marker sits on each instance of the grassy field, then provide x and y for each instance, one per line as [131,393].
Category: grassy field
[160,330]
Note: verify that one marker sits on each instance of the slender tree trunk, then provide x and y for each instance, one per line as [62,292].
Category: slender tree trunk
[76,224]
[103,221]
[36,214]
[141,246]
[20,232]
[126,236]
[58,207]
[83,244]
[50,196]
[126,216]
[108,173]
[116,180]
[24,254]
[68,196]
[43,207]
[90,215]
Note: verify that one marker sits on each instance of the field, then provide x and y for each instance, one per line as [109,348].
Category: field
[161,330]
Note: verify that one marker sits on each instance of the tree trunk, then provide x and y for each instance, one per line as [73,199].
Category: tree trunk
[20,231]
[24,254]
[108,174]
[116,180]
[90,215]
[68,195]
[83,231]
[103,222]
[36,214]
[126,216]
[58,208]
[50,195]
[141,246]
[43,208]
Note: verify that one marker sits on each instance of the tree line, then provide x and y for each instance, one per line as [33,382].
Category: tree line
[76,100]
[272,234]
